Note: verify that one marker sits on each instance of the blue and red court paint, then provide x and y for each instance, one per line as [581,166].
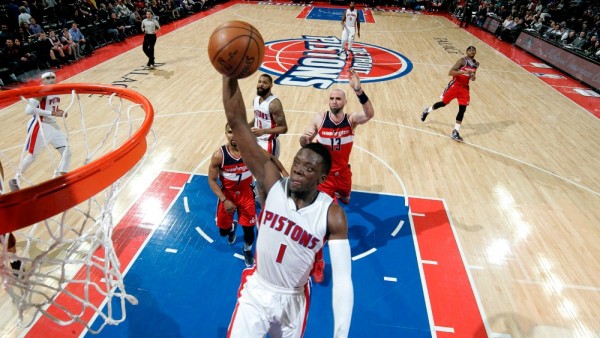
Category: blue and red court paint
[333,13]
[185,276]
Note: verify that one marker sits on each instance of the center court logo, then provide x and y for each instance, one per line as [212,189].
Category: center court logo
[313,61]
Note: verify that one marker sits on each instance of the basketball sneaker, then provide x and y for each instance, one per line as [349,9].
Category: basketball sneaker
[456,136]
[13,184]
[16,266]
[231,236]
[424,114]
[318,271]
[248,258]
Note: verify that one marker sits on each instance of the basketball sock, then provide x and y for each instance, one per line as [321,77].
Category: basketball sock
[27,161]
[457,126]
[430,109]
[247,247]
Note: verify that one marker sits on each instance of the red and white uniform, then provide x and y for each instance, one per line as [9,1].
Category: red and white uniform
[47,132]
[274,298]
[458,87]
[263,119]
[349,25]
[235,183]
[338,138]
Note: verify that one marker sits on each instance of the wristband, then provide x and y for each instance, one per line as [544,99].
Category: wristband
[223,201]
[363,98]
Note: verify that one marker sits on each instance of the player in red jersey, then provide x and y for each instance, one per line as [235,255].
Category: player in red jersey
[235,192]
[335,130]
[462,73]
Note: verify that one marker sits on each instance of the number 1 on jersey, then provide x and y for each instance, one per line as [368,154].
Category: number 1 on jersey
[281,253]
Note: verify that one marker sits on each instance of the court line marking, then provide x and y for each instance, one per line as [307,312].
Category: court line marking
[390,279]
[237,255]
[175,188]
[395,232]
[566,286]
[203,234]
[484,319]
[185,205]
[496,153]
[364,254]
[425,261]
[133,260]
[417,214]
[444,329]
[169,250]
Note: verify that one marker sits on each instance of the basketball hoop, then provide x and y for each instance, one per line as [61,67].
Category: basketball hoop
[72,214]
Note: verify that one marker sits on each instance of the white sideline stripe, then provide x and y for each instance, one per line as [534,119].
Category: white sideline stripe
[475,267]
[169,250]
[417,214]
[185,205]
[444,329]
[208,239]
[500,335]
[175,188]
[237,255]
[397,230]
[424,261]
[366,253]
[390,279]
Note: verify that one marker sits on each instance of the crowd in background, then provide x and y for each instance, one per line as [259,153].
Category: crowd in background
[575,25]
[42,34]
[37,35]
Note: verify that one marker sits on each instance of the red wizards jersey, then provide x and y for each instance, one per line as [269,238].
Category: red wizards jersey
[234,174]
[338,138]
[469,66]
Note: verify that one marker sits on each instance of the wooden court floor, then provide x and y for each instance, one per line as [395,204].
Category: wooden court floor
[523,190]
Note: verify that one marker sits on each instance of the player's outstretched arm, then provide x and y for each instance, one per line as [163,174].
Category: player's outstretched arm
[368,111]
[311,131]
[341,266]
[262,168]
[455,70]
[277,163]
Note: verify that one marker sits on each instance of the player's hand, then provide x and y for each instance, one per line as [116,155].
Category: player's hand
[59,113]
[229,206]
[354,79]
[257,131]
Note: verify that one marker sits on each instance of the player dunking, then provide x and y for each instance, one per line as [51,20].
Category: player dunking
[295,220]
[269,118]
[351,26]
[43,129]
[335,130]
[462,72]
[235,193]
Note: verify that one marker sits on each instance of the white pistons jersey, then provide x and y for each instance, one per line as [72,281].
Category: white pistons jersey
[351,17]
[49,103]
[263,118]
[288,239]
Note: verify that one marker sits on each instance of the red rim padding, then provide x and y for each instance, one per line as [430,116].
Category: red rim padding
[34,204]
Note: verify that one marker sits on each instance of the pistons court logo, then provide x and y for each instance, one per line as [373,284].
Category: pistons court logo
[313,61]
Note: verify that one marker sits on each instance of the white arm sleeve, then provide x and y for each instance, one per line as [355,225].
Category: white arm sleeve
[32,109]
[343,291]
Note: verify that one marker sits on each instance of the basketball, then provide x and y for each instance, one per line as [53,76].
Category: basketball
[236,49]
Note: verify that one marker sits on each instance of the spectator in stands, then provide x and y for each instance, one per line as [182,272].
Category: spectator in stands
[116,28]
[45,53]
[58,47]
[27,60]
[579,40]
[23,17]
[34,29]
[67,41]
[589,42]
[79,39]
[568,38]
[102,13]
[121,10]
[9,57]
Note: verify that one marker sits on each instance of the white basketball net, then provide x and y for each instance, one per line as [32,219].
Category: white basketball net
[72,254]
